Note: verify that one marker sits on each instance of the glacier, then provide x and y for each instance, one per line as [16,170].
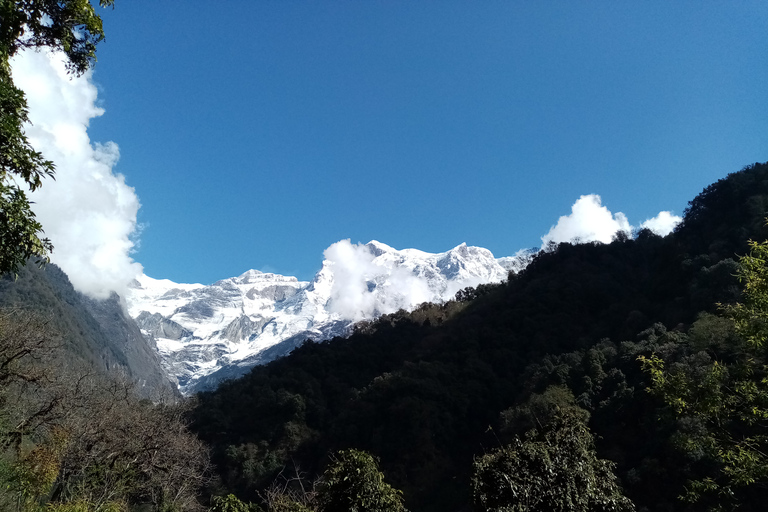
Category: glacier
[207,333]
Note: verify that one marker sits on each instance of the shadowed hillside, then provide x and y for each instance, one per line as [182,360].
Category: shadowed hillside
[97,331]
[420,390]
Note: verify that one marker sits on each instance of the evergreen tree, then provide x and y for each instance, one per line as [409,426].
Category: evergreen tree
[553,470]
[353,483]
[722,403]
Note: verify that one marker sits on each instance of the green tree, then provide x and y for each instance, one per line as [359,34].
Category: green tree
[722,401]
[231,503]
[69,26]
[552,470]
[353,483]
[542,410]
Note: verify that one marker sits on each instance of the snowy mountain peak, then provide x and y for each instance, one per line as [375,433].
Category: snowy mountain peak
[378,248]
[205,333]
[249,276]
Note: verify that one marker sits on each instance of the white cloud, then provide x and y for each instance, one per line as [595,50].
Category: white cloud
[663,223]
[88,212]
[365,286]
[589,221]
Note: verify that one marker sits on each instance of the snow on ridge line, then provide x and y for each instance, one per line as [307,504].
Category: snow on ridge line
[201,329]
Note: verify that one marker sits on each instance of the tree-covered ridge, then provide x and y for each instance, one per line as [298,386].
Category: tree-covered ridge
[420,390]
[723,396]
[621,376]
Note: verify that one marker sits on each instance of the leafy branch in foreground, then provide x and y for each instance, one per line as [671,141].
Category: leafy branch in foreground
[73,28]
[722,402]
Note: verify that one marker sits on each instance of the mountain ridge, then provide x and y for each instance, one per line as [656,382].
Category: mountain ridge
[208,333]
[428,393]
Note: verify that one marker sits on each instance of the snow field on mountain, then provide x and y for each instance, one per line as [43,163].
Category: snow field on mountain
[203,329]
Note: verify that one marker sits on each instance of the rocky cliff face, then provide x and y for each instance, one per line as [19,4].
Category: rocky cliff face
[99,332]
[208,333]
[135,353]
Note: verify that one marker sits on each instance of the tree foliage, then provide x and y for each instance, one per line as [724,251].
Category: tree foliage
[19,230]
[723,400]
[74,439]
[73,28]
[419,389]
[554,469]
[231,503]
[354,483]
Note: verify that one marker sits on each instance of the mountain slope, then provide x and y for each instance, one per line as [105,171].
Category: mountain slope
[208,333]
[420,390]
[96,331]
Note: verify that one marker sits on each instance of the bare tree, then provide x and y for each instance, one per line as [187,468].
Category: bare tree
[69,433]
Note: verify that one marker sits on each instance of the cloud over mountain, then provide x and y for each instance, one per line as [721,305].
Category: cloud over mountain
[357,273]
[88,212]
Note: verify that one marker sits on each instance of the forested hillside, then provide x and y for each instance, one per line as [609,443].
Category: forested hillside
[430,391]
[603,377]
[617,377]
[88,418]
[97,331]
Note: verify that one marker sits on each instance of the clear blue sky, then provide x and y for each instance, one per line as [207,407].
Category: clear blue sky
[257,133]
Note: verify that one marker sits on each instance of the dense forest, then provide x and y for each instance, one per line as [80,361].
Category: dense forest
[621,376]
[429,392]
[603,377]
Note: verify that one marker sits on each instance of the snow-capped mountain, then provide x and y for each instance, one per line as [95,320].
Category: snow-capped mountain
[208,333]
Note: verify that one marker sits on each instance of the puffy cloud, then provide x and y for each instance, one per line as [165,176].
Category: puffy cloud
[365,286]
[663,223]
[589,221]
[88,212]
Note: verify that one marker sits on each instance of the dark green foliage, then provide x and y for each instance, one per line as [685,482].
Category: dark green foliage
[542,410]
[17,157]
[721,220]
[230,503]
[19,229]
[720,397]
[70,26]
[419,390]
[607,382]
[353,483]
[554,469]
[420,395]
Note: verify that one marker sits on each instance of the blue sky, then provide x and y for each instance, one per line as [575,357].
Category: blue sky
[258,133]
